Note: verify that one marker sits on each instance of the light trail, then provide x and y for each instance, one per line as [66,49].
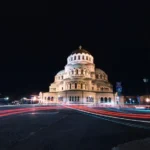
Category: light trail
[26,110]
[110,113]
[101,115]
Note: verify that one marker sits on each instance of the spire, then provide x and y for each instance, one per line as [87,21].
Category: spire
[80,47]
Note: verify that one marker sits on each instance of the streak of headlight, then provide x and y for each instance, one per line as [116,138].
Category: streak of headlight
[114,114]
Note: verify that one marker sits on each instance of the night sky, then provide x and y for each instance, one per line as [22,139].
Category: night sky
[34,46]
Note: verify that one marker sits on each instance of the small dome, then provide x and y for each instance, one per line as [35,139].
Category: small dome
[80,50]
[99,70]
[61,72]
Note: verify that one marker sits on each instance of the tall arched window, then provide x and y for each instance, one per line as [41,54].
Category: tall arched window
[78,57]
[72,98]
[81,85]
[72,72]
[105,99]
[71,58]
[86,57]
[87,99]
[96,76]
[102,100]
[76,71]
[70,85]
[83,57]
[75,85]
[52,98]
[78,98]
[75,98]
[109,99]
[74,57]
[82,71]
[48,98]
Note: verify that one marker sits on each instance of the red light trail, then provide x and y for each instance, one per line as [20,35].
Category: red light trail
[111,113]
[26,110]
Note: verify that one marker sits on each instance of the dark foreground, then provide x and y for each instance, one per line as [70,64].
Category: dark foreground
[64,129]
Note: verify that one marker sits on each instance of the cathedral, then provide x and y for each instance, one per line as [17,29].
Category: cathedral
[80,82]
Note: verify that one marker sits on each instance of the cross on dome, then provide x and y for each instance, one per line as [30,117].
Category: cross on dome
[80,47]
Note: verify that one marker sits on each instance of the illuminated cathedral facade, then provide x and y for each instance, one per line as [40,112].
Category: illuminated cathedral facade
[80,82]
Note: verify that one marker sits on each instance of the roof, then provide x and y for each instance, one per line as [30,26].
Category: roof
[80,50]
[62,71]
[99,70]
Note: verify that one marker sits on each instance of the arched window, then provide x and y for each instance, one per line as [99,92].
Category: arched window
[72,98]
[75,98]
[81,85]
[69,98]
[105,99]
[75,85]
[102,100]
[109,99]
[78,98]
[96,76]
[48,98]
[71,58]
[102,89]
[100,76]
[86,57]
[87,99]
[103,76]
[70,85]
[72,72]
[81,71]
[76,71]
[78,57]
[52,98]
[91,99]
[83,57]
[74,57]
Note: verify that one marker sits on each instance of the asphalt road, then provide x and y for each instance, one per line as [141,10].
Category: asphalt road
[66,129]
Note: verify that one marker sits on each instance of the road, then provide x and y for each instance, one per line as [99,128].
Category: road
[66,129]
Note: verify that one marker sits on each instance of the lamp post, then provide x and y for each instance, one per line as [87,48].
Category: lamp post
[146,80]
[130,100]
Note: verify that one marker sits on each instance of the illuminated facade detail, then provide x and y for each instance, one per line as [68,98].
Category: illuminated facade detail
[79,82]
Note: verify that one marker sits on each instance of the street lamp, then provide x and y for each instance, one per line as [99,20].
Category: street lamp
[147,100]
[146,80]
[7,98]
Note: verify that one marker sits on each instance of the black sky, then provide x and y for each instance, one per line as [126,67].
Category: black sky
[35,44]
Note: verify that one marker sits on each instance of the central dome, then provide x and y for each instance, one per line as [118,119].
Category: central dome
[80,50]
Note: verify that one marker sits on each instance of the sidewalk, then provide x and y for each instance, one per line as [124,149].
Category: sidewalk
[135,145]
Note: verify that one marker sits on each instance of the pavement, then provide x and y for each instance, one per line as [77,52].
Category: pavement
[66,129]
